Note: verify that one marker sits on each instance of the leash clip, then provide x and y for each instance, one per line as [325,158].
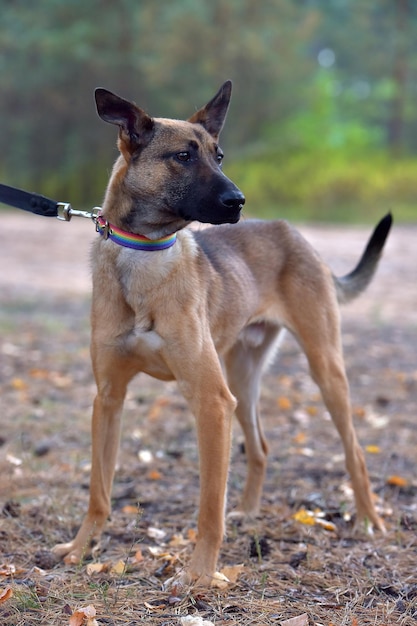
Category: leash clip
[66,212]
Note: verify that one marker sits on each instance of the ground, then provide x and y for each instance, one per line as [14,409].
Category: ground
[292,563]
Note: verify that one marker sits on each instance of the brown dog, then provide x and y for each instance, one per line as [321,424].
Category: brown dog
[204,308]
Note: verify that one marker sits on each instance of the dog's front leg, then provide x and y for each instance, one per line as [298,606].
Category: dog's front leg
[201,380]
[214,436]
[112,375]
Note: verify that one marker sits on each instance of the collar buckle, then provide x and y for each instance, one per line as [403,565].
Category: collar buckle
[102,227]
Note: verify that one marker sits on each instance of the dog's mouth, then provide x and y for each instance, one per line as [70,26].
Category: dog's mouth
[227,211]
[212,218]
[229,220]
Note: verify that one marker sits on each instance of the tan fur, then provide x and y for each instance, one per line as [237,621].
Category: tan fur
[216,301]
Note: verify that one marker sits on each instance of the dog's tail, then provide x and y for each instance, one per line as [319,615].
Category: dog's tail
[351,285]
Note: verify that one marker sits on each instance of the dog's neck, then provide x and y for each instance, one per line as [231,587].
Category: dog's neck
[131,240]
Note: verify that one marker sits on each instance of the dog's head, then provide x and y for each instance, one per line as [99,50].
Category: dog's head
[170,171]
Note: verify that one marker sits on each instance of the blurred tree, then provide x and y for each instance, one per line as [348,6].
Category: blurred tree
[306,74]
[399,75]
[375,65]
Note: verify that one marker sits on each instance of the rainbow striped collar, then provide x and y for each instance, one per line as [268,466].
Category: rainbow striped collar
[130,240]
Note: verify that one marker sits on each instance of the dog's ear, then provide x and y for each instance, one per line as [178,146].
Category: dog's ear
[213,115]
[136,127]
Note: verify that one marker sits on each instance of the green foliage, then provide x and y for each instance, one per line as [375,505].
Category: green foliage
[327,186]
[322,127]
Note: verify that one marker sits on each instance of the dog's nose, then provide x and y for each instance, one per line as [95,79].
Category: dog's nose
[233,200]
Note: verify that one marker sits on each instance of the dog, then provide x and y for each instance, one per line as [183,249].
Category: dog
[205,308]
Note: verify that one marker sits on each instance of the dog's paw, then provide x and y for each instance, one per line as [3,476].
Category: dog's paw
[179,583]
[69,552]
[365,525]
[242,515]
[183,581]
[237,515]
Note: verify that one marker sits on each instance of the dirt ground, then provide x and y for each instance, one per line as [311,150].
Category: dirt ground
[288,565]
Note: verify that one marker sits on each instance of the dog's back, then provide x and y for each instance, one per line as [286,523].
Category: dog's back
[254,254]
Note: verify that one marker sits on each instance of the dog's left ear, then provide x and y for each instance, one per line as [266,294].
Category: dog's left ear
[213,115]
[136,127]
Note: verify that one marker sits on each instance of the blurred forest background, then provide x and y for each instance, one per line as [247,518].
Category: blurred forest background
[323,121]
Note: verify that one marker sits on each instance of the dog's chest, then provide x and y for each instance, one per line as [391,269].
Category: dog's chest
[138,270]
[142,276]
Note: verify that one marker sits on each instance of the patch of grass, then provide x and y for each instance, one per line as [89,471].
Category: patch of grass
[26,599]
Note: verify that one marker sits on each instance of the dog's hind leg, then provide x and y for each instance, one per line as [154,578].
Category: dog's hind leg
[245,363]
[319,336]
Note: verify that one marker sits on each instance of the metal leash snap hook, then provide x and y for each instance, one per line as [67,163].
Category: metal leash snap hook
[64,211]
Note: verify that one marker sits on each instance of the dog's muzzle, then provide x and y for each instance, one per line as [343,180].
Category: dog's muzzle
[224,209]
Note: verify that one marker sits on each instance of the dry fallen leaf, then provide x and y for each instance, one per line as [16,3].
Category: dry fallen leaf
[60,380]
[154,475]
[300,620]
[219,581]
[377,421]
[326,524]
[359,411]
[38,372]
[7,569]
[155,533]
[154,607]
[84,617]
[96,568]
[14,460]
[119,568]
[39,571]
[156,408]
[194,620]
[138,557]
[5,594]
[304,517]
[397,481]
[129,509]
[178,541]
[311,518]
[232,572]
[284,403]
[303,451]
[300,438]
[19,384]
[145,456]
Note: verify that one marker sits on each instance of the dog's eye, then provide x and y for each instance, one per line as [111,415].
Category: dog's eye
[219,157]
[183,156]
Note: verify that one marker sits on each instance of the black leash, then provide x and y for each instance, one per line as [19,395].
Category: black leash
[33,202]
[40,205]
